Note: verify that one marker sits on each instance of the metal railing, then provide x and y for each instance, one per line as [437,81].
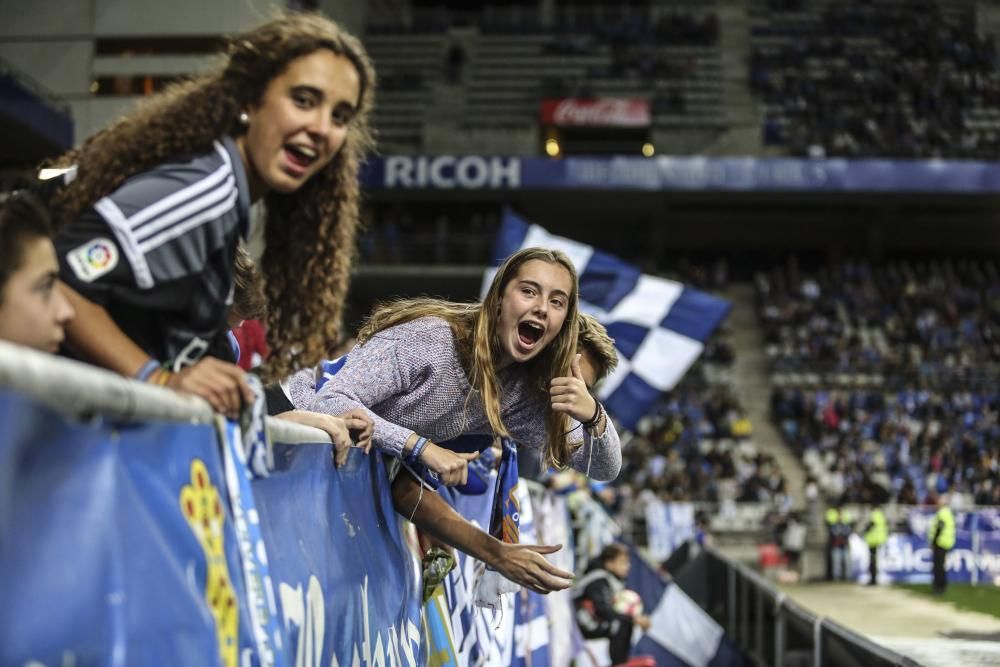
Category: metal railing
[80,390]
[773,630]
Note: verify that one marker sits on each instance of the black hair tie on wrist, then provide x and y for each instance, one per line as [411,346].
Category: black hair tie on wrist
[597,415]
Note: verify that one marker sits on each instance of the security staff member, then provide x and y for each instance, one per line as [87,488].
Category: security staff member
[941,534]
[876,534]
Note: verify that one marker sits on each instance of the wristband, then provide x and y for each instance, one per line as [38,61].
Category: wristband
[591,426]
[597,415]
[418,448]
[147,370]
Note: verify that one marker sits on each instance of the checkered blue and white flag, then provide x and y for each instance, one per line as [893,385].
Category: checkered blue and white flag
[660,326]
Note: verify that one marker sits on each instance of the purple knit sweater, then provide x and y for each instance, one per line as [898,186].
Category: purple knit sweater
[410,379]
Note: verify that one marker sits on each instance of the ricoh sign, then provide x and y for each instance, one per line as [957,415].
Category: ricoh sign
[449,172]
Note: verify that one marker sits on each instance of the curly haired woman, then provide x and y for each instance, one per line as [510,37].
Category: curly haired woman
[155,205]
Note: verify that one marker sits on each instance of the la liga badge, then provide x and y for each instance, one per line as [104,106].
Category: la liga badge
[93,259]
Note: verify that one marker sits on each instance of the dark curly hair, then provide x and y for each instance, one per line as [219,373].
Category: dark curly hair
[310,234]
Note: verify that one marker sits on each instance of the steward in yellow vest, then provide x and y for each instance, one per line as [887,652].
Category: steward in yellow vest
[876,534]
[942,529]
[941,535]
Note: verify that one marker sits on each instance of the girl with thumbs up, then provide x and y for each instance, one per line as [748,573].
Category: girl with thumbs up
[428,370]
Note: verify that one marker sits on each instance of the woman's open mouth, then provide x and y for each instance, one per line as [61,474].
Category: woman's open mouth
[529,333]
[300,157]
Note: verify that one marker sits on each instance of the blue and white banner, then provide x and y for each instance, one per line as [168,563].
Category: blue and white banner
[348,586]
[531,623]
[983,520]
[520,634]
[116,544]
[907,558]
[142,544]
[683,174]
[660,326]
[553,526]
[681,633]
[253,550]
[668,526]
[480,636]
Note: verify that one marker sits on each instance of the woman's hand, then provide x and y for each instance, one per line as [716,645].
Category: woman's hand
[338,428]
[524,564]
[451,467]
[222,384]
[570,395]
[361,426]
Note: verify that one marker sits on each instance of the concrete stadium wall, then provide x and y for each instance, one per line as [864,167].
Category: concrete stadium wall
[53,42]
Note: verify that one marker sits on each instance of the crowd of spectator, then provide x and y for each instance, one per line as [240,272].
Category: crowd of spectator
[895,79]
[635,42]
[887,376]
[910,445]
[697,446]
[931,323]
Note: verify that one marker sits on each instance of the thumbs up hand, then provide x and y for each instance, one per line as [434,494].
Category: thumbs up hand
[570,394]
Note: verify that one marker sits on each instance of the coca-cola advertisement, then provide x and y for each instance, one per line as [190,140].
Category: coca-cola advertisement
[596,112]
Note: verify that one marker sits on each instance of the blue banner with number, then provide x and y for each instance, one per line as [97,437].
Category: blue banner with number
[116,544]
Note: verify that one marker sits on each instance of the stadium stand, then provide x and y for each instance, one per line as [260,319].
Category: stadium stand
[850,79]
[885,376]
[700,449]
[495,76]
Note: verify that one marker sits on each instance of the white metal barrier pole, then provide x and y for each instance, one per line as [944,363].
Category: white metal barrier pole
[759,630]
[779,630]
[81,390]
[818,642]
[731,606]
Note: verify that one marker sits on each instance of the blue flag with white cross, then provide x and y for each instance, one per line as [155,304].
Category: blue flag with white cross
[660,326]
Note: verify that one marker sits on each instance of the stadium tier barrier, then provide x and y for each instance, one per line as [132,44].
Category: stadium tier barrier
[773,630]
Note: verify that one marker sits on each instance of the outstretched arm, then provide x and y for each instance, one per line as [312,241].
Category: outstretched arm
[521,563]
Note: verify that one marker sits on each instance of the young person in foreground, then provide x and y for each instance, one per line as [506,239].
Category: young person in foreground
[33,312]
[521,563]
[154,206]
[428,371]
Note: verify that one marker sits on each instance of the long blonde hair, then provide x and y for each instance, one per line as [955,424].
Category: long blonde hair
[310,234]
[474,327]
